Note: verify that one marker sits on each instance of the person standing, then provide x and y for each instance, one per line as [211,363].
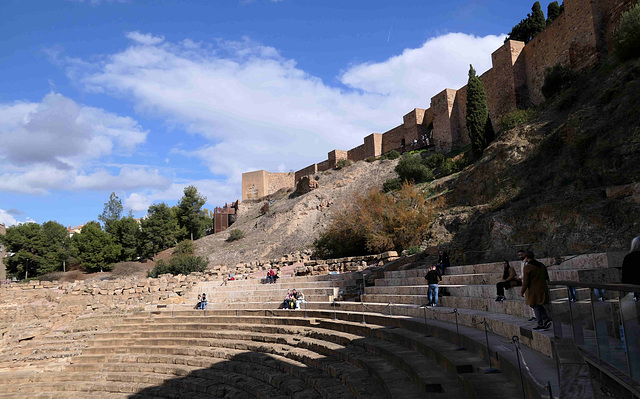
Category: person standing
[523,263]
[433,277]
[534,285]
[508,280]
[443,261]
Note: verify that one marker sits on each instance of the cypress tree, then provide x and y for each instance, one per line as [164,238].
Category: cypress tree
[477,118]
[553,12]
[538,23]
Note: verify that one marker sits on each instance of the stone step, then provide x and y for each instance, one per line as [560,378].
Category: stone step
[392,379]
[580,262]
[474,291]
[355,379]
[256,285]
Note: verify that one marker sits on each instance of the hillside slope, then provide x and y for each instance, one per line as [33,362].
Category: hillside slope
[541,186]
[292,224]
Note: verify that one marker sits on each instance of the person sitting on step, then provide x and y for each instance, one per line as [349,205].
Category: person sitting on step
[199,301]
[509,279]
[203,301]
[300,299]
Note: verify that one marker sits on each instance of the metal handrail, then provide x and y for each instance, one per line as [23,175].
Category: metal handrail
[606,286]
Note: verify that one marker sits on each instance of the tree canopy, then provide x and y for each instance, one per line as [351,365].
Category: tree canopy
[37,249]
[534,23]
[160,229]
[96,249]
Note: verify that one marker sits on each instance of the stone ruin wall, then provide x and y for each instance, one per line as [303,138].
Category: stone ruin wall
[260,183]
[579,38]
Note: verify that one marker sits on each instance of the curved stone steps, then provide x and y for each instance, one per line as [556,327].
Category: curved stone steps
[319,375]
[394,381]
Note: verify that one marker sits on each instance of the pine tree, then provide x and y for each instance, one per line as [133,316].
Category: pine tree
[190,214]
[553,12]
[112,212]
[478,123]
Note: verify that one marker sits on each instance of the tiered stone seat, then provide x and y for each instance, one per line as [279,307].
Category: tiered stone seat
[471,290]
[189,353]
[252,293]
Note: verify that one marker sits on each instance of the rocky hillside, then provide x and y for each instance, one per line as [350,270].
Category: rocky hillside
[292,222]
[565,183]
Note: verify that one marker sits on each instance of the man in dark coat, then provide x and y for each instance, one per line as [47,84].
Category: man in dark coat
[534,284]
[443,261]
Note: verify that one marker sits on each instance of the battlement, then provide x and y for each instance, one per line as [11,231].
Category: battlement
[579,38]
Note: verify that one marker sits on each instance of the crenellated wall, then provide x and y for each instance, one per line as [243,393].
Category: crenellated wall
[579,38]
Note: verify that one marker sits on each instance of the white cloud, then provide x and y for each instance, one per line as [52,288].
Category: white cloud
[56,143]
[9,219]
[145,38]
[259,110]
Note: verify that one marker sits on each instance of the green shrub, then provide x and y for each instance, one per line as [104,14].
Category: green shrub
[556,79]
[448,167]
[184,264]
[184,247]
[393,154]
[343,163]
[516,118]
[433,161]
[392,185]
[370,159]
[627,36]
[412,170]
[235,235]
[413,250]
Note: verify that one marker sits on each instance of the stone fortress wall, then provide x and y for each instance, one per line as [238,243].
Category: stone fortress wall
[579,38]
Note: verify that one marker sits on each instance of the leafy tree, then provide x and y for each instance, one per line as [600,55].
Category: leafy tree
[96,249]
[553,12]
[37,249]
[478,124]
[160,230]
[112,211]
[22,240]
[126,233]
[55,245]
[190,213]
[627,35]
[411,169]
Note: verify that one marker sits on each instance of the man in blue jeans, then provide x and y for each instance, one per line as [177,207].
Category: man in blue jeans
[433,277]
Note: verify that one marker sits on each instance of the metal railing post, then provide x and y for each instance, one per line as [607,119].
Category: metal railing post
[426,329]
[490,370]
[460,347]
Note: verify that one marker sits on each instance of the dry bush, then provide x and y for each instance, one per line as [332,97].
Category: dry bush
[127,269]
[376,222]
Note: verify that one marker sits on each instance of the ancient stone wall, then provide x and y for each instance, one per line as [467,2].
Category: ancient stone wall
[336,155]
[580,37]
[373,145]
[357,154]
[260,183]
[392,140]
[309,170]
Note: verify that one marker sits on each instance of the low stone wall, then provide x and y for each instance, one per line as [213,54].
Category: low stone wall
[344,265]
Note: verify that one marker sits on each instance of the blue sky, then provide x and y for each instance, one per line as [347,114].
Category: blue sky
[143,98]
